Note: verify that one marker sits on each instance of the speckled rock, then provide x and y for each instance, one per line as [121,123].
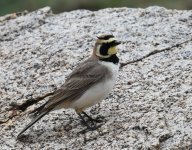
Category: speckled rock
[151,104]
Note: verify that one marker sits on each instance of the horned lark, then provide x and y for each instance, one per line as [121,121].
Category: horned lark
[88,84]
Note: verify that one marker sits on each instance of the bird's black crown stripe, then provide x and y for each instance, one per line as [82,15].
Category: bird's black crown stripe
[105,37]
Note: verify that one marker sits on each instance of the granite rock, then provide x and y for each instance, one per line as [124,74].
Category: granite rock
[151,104]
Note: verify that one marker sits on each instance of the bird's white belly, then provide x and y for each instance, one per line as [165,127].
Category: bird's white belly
[99,91]
[94,95]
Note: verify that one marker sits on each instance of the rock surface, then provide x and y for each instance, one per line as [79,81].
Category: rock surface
[151,105]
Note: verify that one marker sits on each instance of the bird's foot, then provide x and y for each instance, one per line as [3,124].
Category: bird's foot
[90,128]
[90,123]
[99,119]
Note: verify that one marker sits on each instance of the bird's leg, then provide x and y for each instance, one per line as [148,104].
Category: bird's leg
[92,119]
[86,124]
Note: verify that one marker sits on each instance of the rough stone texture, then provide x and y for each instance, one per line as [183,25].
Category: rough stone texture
[151,105]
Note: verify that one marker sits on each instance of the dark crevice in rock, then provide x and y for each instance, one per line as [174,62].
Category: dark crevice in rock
[155,52]
[29,102]
[14,107]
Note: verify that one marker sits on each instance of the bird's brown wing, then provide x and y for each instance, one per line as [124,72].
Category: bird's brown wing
[81,79]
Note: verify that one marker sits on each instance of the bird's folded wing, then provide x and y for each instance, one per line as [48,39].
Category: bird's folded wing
[82,78]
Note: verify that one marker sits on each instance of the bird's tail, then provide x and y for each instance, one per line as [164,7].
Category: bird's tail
[38,110]
[33,121]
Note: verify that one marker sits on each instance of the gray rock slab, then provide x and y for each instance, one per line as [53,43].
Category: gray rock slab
[151,104]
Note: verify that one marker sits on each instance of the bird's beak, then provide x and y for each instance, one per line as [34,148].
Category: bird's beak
[117,43]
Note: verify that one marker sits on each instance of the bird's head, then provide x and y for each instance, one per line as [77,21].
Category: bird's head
[106,46]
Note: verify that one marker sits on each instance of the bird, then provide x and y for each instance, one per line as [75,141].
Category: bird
[88,84]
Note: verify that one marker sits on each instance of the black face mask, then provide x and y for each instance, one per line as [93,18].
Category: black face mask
[112,58]
[105,47]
